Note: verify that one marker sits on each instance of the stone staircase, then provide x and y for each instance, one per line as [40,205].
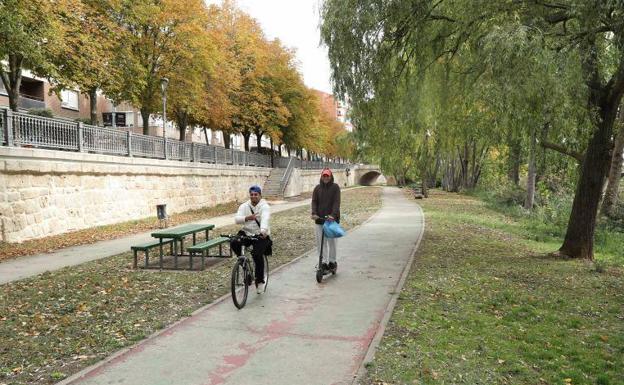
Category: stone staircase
[272,187]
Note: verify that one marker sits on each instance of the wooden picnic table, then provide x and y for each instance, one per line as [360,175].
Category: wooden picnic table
[178,234]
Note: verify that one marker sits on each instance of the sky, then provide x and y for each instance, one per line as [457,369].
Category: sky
[295,23]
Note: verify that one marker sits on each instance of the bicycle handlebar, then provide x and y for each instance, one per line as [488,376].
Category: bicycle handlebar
[241,236]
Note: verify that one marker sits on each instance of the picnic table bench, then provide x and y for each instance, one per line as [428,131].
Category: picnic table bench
[203,249]
[178,234]
[146,247]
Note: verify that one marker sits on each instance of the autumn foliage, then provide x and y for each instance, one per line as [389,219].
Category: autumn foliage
[224,74]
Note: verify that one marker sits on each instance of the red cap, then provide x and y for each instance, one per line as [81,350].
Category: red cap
[326,171]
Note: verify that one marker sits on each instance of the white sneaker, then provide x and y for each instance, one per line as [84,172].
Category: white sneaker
[260,288]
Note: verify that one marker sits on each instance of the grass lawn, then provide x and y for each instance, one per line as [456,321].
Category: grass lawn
[483,306]
[57,323]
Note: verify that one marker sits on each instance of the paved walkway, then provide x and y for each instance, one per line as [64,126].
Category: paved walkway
[298,332]
[24,267]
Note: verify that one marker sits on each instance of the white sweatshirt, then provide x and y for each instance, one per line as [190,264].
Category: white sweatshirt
[263,215]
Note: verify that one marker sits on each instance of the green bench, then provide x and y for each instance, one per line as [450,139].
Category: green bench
[203,250]
[178,234]
[146,247]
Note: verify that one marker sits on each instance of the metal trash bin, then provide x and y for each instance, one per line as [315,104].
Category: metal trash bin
[161,214]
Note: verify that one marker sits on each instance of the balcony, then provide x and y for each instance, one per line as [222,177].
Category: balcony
[28,102]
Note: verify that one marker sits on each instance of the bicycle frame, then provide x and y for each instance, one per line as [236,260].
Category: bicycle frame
[245,262]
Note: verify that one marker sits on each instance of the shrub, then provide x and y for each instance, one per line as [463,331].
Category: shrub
[45,112]
[83,120]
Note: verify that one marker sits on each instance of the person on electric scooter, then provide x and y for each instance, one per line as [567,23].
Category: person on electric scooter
[254,215]
[326,206]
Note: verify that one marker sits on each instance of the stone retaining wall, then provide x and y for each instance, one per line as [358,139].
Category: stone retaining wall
[305,180]
[48,192]
[45,192]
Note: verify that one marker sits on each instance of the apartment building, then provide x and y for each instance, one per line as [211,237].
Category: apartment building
[338,110]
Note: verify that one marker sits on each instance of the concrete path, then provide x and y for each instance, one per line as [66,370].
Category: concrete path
[298,332]
[28,266]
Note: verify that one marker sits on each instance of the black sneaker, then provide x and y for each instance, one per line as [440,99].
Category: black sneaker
[324,266]
[333,265]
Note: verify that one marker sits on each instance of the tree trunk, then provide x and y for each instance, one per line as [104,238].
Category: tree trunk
[206,136]
[530,196]
[182,121]
[93,105]
[246,136]
[515,158]
[579,238]
[615,172]
[433,179]
[464,166]
[145,114]
[541,161]
[424,171]
[13,80]
[604,100]
[226,140]
[258,140]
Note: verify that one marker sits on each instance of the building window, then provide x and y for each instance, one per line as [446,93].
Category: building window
[69,99]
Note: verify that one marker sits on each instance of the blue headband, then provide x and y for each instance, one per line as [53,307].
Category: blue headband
[255,188]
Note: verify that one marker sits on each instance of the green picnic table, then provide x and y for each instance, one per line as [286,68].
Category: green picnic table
[177,234]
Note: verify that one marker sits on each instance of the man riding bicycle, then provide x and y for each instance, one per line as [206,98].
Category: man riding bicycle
[255,215]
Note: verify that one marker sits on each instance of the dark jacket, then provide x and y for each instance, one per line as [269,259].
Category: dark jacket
[326,200]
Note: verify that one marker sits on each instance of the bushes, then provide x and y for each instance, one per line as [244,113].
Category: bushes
[45,112]
[83,120]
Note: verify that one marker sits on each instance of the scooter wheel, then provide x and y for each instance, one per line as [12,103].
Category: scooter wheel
[319,275]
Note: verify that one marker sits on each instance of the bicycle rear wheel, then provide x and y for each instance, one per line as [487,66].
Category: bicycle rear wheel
[240,283]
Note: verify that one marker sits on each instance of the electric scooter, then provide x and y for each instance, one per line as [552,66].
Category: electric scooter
[320,271]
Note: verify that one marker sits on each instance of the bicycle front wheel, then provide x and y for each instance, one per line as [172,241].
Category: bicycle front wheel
[240,283]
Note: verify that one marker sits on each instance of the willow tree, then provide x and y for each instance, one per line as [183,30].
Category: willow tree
[364,36]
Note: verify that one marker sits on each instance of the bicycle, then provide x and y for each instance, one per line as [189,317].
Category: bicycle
[320,270]
[243,271]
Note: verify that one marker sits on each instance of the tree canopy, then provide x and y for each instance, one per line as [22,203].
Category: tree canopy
[485,78]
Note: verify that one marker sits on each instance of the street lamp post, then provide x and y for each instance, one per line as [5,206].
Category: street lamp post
[163,86]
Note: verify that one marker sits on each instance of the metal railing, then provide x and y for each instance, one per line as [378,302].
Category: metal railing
[284,162]
[20,129]
[286,176]
[2,129]
[27,102]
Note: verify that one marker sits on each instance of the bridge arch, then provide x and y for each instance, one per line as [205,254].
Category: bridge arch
[369,178]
